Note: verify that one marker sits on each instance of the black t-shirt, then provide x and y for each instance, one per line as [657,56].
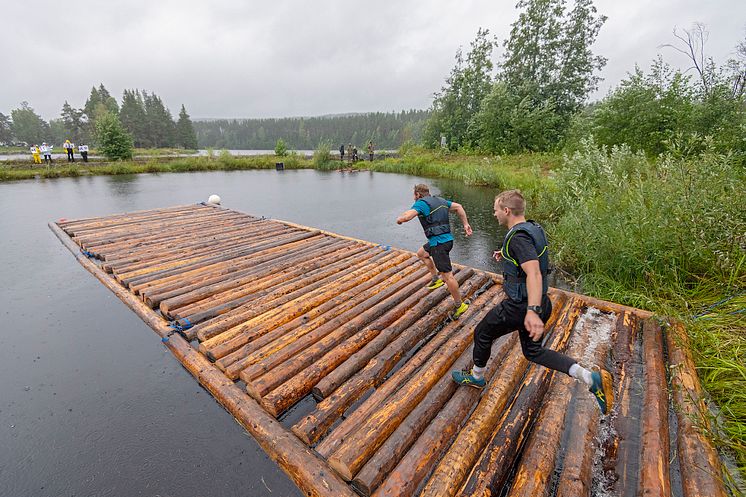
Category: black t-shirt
[521,248]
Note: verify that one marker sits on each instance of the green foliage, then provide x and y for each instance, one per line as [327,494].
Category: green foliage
[388,130]
[459,100]
[114,141]
[6,130]
[185,135]
[74,122]
[322,157]
[281,149]
[133,117]
[28,126]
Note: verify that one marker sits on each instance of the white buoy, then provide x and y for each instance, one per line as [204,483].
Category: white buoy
[214,199]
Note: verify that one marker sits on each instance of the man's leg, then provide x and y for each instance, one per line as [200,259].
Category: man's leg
[424,255]
[452,285]
[490,328]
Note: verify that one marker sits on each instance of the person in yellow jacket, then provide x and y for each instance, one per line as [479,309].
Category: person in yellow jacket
[36,153]
[69,149]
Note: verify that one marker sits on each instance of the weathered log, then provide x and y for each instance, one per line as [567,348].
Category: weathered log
[314,294]
[465,450]
[491,473]
[538,459]
[341,300]
[287,394]
[306,470]
[700,466]
[492,297]
[654,468]
[376,367]
[69,225]
[584,423]
[385,458]
[304,350]
[271,340]
[135,225]
[420,459]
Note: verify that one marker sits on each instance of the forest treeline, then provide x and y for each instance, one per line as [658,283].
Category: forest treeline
[387,130]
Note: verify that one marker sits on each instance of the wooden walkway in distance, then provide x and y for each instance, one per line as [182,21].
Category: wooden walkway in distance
[266,313]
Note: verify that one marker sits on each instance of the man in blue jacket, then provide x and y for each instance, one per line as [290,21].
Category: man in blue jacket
[433,215]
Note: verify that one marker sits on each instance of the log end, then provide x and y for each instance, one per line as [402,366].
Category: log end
[341,468]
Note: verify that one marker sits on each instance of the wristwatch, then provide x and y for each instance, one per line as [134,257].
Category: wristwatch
[535,308]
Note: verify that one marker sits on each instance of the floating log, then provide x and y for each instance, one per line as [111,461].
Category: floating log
[700,467]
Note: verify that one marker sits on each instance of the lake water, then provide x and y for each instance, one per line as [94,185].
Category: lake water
[91,403]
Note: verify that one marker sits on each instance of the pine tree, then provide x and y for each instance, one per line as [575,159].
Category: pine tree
[6,133]
[160,125]
[133,118]
[74,122]
[185,135]
[113,140]
[28,126]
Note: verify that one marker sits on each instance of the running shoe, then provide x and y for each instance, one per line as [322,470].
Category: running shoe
[435,284]
[602,389]
[464,377]
[458,311]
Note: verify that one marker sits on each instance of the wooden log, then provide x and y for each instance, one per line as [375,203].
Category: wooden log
[623,454]
[396,446]
[261,260]
[374,369]
[654,468]
[93,222]
[300,353]
[249,281]
[492,297]
[584,422]
[384,312]
[424,454]
[244,313]
[465,450]
[131,223]
[130,260]
[288,393]
[271,340]
[700,466]
[313,295]
[489,476]
[538,459]
[226,256]
[304,468]
[360,358]
[326,251]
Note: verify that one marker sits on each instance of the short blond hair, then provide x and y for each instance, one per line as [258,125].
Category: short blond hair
[513,200]
[422,189]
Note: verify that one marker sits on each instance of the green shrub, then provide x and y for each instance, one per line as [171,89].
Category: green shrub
[114,142]
[281,149]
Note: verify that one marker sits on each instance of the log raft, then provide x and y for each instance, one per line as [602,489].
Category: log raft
[267,313]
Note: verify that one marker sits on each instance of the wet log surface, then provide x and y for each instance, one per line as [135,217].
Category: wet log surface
[278,313]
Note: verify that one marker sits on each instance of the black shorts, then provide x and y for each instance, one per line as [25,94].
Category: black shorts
[439,254]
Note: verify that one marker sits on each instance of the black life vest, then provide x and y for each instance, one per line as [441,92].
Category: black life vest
[437,223]
[514,277]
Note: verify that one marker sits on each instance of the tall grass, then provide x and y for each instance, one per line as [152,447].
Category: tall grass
[668,235]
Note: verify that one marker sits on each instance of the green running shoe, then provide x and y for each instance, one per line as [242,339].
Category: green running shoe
[465,377]
[435,284]
[459,311]
[602,390]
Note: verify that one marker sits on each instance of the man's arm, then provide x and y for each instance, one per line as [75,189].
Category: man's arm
[458,209]
[533,322]
[406,216]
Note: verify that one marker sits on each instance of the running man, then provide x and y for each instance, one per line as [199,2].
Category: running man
[524,257]
[433,214]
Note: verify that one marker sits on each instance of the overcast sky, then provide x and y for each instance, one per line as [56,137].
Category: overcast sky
[283,58]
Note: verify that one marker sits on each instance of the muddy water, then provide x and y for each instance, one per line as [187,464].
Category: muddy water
[91,404]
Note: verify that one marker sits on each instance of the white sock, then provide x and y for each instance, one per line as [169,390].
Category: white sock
[477,372]
[580,373]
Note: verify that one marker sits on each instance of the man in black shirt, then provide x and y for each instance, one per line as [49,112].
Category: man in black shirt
[524,257]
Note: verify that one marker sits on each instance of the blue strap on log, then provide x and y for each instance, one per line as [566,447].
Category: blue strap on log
[180,327]
[86,253]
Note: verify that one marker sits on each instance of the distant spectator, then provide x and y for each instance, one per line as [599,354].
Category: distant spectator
[36,154]
[46,151]
[342,152]
[370,150]
[69,149]
[354,153]
[83,150]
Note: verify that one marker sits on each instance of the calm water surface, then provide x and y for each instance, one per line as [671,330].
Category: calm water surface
[91,403]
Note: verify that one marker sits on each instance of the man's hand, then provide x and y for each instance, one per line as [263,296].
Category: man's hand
[498,255]
[534,325]
[467,229]
[399,221]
